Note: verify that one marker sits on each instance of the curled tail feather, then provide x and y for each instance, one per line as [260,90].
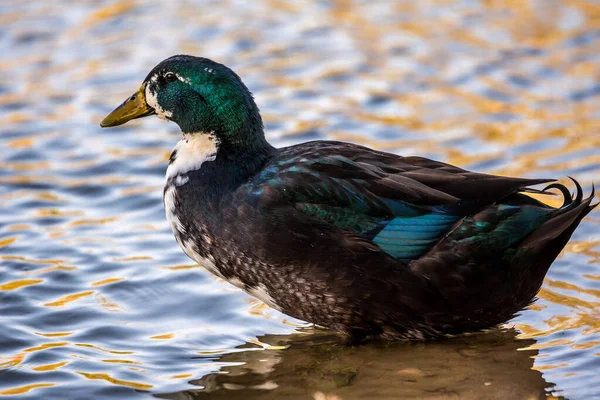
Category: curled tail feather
[571,212]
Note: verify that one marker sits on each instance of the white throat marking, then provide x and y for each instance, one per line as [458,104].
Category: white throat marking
[153,102]
[193,150]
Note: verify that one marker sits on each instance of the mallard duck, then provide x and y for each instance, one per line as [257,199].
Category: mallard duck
[367,243]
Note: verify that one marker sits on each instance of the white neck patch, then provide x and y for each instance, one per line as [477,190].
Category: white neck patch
[190,153]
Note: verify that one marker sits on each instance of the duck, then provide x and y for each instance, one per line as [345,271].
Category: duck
[367,243]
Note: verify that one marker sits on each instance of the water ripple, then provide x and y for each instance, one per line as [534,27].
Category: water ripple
[97,300]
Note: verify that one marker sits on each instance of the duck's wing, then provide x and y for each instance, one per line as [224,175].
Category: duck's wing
[404,205]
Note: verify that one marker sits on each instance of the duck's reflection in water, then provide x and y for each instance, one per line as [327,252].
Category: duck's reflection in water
[317,365]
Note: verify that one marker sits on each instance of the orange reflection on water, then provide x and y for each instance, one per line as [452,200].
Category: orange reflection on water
[55,334]
[109,306]
[11,361]
[24,389]
[51,269]
[96,221]
[107,281]
[69,298]
[50,367]
[20,283]
[120,361]
[7,241]
[115,381]
[45,346]
[164,336]
[92,346]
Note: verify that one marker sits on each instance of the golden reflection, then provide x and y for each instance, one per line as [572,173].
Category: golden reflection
[69,298]
[182,376]
[47,196]
[51,269]
[592,322]
[138,152]
[572,286]
[586,248]
[586,345]
[588,323]
[19,227]
[188,266]
[164,336]
[140,190]
[9,362]
[20,143]
[121,361]
[24,389]
[266,346]
[258,308]
[55,235]
[108,305]
[93,346]
[589,9]
[107,281]
[31,260]
[537,306]
[55,334]
[108,12]
[565,300]
[16,118]
[53,212]
[115,381]
[50,367]
[366,141]
[128,259]
[97,221]
[45,346]
[28,166]
[288,322]
[548,367]
[20,284]
[7,241]
[213,352]
[552,343]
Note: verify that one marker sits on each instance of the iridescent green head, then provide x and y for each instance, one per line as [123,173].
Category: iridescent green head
[198,94]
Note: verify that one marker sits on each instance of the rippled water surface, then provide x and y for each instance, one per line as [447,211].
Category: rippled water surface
[98,301]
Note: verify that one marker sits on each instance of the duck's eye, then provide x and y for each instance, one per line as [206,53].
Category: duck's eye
[170,77]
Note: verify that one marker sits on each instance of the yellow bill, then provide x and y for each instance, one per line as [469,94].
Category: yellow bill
[134,107]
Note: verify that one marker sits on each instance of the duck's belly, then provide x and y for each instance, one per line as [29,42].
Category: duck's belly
[196,242]
[192,235]
[287,288]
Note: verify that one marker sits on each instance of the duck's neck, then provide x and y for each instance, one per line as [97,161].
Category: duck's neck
[244,160]
[216,165]
[232,145]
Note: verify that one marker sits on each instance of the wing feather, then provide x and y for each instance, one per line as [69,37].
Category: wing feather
[403,205]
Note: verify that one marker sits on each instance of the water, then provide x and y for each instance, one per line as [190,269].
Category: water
[98,301]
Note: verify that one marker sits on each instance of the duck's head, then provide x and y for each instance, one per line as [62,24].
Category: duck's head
[199,95]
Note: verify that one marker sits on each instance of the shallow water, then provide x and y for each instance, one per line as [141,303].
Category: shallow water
[98,301]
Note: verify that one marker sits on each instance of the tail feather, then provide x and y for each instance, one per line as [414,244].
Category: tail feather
[498,267]
[542,246]
[571,212]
